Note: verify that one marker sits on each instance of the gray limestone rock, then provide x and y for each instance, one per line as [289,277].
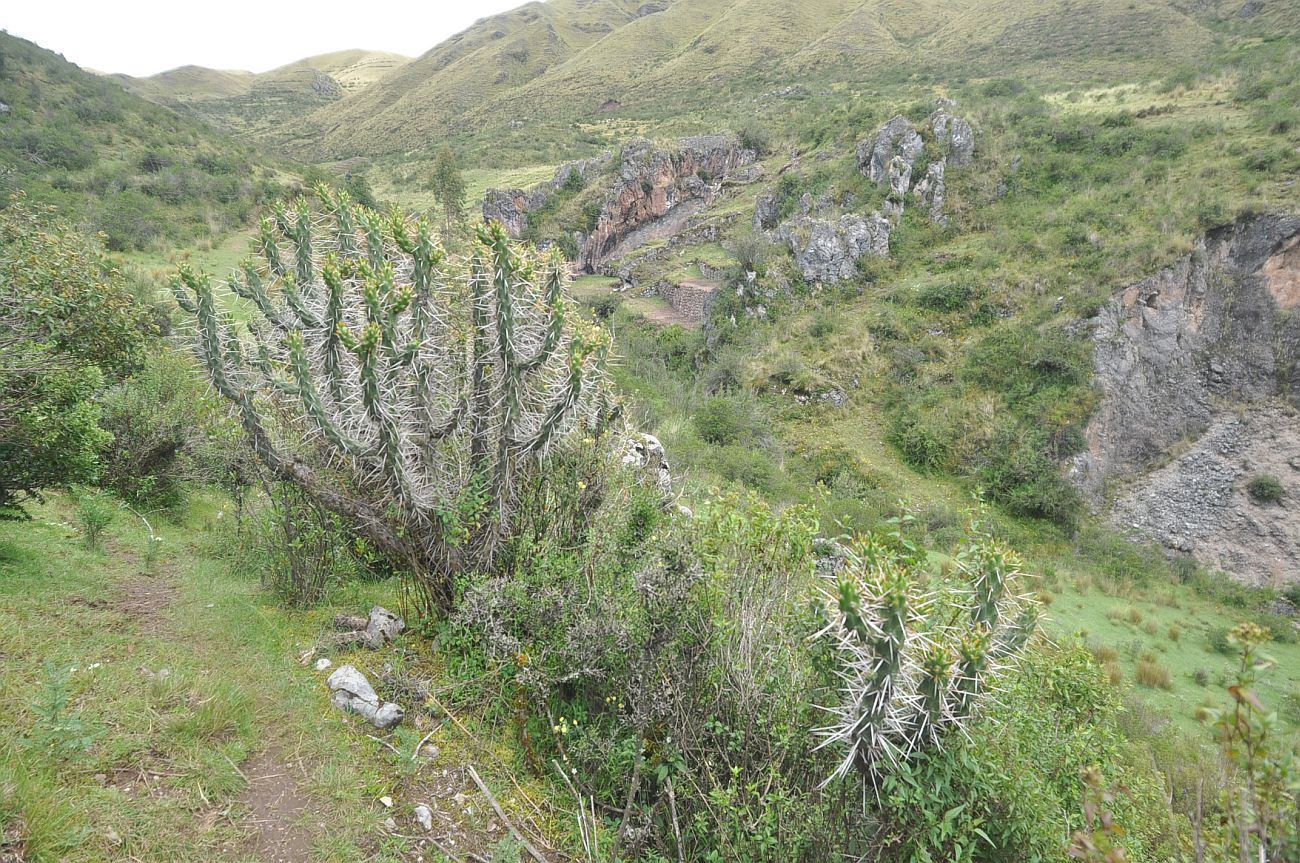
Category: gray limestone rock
[766,213]
[352,692]
[828,251]
[895,138]
[930,191]
[955,135]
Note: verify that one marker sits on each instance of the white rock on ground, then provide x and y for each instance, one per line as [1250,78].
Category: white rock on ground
[353,692]
[323,663]
[424,815]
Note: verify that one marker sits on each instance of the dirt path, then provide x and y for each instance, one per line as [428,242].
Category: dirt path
[277,806]
[275,802]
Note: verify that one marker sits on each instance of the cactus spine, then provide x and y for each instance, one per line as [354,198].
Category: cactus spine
[413,381]
[916,661]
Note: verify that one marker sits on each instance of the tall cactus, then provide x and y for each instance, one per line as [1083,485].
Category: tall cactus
[915,661]
[419,388]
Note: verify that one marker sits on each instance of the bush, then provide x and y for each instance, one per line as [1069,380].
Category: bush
[948,296]
[1220,642]
[725,419]
[604,307]
[154,417]
[755,136]
[1265,488]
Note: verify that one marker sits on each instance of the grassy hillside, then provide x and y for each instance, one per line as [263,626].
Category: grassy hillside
[559,68]
[264,107]
[135,171]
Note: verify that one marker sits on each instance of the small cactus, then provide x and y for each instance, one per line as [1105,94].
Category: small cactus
[411,391]
[916,661]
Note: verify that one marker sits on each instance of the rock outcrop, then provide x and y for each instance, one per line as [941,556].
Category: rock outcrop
[891,156]
[954,135]
[931,191]
[652,184]
[828,251]
[766,212]
[1216,334]
[511,207]
[896,138]
[644,453]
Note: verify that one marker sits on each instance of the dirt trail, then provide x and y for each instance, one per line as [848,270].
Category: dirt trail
[277,806]
[275,800]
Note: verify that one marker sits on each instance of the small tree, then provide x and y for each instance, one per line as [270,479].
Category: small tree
[409,392]
[68,324]
[448,189]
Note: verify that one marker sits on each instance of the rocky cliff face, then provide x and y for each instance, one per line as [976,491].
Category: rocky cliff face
[653,182]
[511,207]
[1203,356]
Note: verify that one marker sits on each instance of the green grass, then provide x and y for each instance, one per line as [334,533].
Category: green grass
[145,177]
[189,675]
[230,689]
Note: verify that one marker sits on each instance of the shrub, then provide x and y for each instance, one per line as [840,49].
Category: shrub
[68,324]
[948,296]
[154,417]
[1152,674]
[94,513]
[1265,488]
[724,420]
[755,136]
[1175,632]
[604,307]
[1201,677]
[1219,641]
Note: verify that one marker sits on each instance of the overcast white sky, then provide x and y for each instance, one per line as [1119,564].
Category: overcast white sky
[143,37]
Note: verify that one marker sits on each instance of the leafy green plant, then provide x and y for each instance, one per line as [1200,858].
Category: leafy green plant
[95,512]
[1265,488]
[60,731]
[1263,805]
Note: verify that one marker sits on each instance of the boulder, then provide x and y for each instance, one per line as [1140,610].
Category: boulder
[646,454]
[352,692]
[382,627]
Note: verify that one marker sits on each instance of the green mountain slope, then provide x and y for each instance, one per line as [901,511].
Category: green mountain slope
[564,62]
[117,163]
[258,107]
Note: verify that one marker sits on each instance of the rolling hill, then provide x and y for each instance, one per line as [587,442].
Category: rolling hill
[260,107]
[554,64]
[118,164]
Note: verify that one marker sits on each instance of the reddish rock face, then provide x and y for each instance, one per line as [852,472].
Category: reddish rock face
[652,181]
